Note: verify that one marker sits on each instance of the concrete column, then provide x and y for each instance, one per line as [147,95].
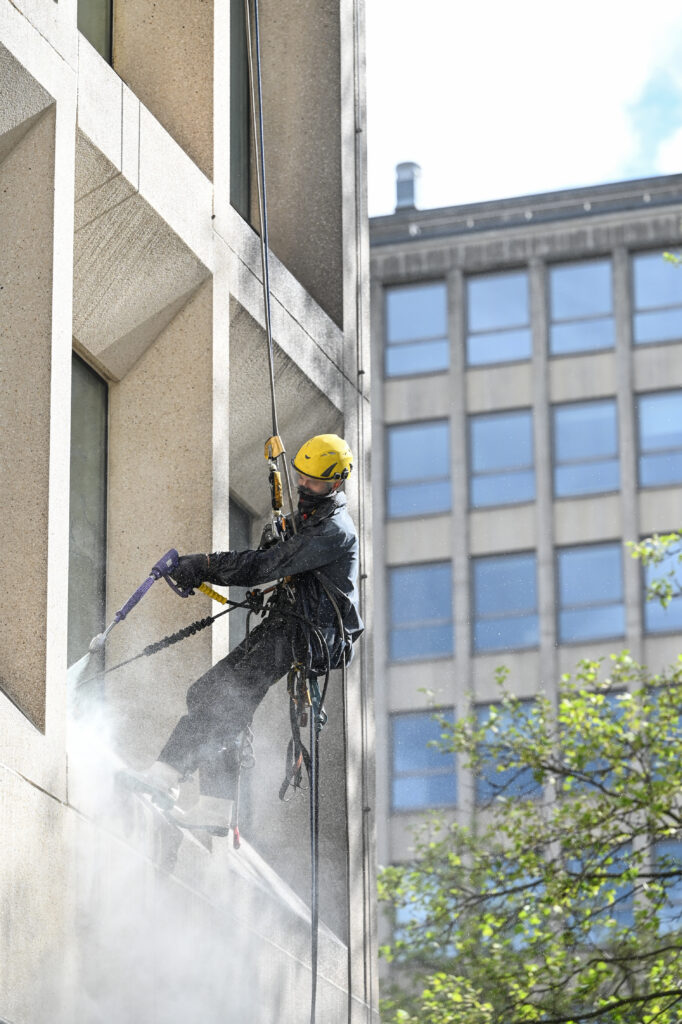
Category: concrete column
[459,686]
[544,517]
[627,443]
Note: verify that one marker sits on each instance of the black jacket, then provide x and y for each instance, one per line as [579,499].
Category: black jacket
[322,558]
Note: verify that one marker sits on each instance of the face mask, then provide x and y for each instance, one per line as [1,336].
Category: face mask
[308,500]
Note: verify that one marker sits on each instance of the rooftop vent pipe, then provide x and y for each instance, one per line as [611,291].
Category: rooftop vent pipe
[407,176]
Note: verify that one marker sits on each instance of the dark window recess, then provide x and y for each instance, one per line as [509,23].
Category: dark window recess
[240,113]
[95,18]
[88,509]
[240,540]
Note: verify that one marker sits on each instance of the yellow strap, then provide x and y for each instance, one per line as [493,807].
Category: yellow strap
[205,589]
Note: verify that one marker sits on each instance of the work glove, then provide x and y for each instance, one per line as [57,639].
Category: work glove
[269,537]
[190,571]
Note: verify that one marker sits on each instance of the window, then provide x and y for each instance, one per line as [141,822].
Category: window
[498,318]
[580,302]
[94,21]
[239,112]
[240,539]
[660,438]
[586,448]
[87,509]
[590,593]
[658,619]
[505,602]
[657,299]
[417,329]
[501,458]
[418,469]
[422,775]
[668,858]
[494,779]
[420,610]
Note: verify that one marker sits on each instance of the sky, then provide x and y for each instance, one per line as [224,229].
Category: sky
[496,99]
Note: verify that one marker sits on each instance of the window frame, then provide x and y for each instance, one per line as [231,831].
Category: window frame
[423,480]
[470,458]
[616,544]
[476,652]
[532,790]
[390,628]
[427,713]
[633,256]
[389,286]
[468,333]
[553,408]
[551,321]
[638,396]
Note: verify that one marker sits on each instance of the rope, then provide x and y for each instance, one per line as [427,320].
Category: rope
[255,80]
[167,641]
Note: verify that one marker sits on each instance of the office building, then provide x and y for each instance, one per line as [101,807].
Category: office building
[527,359]
[134,409]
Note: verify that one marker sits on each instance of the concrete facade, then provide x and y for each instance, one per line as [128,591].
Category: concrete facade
[529,234]
[120,244]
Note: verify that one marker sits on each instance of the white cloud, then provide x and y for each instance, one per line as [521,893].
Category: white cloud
[669,155]
[502,99]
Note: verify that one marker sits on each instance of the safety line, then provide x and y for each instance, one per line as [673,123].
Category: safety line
[253,37]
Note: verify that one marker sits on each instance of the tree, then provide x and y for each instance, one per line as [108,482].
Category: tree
[563,903]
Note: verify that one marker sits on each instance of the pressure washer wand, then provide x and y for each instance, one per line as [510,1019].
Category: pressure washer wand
[160,569]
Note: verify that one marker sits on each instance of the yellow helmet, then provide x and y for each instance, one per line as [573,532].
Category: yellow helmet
[324,457]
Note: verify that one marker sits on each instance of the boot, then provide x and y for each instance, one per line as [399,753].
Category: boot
[209,814]
[160,781]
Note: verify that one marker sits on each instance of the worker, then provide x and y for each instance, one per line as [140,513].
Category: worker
[320,564]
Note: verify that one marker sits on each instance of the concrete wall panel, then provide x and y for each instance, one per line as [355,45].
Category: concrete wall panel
[163,52]
[26,227]
[160,496]
[300,41]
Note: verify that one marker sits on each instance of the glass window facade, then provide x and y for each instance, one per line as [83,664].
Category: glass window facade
[495,778]
[87,508]
[420,611]
[660,438]
[418,460]
[94,21]
[498,318]
[657,300]
[501,458]
[421,776]
[505,602]
[585,436]
[668,858]
[417,329]
[240,539]
[590,587]
[658,619]
[581,307]
[240,130]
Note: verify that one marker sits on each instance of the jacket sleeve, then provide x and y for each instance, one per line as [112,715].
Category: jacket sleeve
[301,553]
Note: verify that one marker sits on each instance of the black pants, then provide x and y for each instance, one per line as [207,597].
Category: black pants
[221,703]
